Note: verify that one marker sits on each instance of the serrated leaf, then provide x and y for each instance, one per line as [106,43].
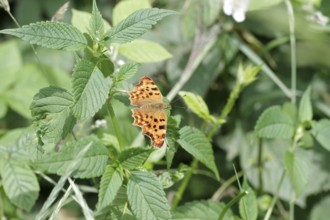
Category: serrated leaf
[197,105]
[197,144]
[92,165]
[110,184]
[172,135]
[124,8]
[147,197]
[134,157]
[274,123]
[51,112]
[200,210]
[144,51]
[20,184]
[127,71]
[305,107]
[321,132]
[54,35]
[96,26]
[80,19]
[248,205]
[298,171]
[90,89]
[136,25]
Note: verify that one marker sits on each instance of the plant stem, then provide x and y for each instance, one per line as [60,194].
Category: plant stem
[270,209]
[260,166]
[293,51]
[232,202]
[216,196]
[184,184]
[115,125]
[291,213]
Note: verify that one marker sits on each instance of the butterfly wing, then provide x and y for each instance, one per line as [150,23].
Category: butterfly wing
[153,124]
[145,92]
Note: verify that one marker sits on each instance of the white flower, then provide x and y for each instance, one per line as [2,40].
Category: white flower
[236,9]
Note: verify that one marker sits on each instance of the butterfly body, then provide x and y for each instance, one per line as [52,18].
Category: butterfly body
[150,115]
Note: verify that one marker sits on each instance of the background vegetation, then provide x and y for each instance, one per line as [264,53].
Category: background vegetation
[248,132]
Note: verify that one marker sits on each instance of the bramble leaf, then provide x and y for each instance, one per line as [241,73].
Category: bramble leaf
[137,24]
[274,123]
[147,197]
[134,157]
[321,132]
[127,71]
[248,205]
[125,8]
[20,184]
[195,143]
[90,89]
[54,35]
[110,184]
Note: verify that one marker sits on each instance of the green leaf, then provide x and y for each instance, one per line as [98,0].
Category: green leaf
[132,158]
[51,112]
[92,165]
[305,107]
[147,197]
[90,89]
[321,132]
[210,10]
[200,210]
[321,209]
[197,105]
[137,24]
[110,184]
[248,205]
[20,184]
[195,143]
[144,51]
[172,135]
[125,8]
[96,26]
[298,171]
[127,71]
[81,19]
[11,62]
[274,123]
[54,35]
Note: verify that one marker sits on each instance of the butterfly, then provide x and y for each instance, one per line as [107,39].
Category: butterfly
[150,114]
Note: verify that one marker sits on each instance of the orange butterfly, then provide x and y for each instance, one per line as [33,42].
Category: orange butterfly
[150,115]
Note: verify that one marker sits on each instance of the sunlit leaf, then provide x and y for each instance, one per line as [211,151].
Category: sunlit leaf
[134,157]
[305,107]
[321,132]
[125,8]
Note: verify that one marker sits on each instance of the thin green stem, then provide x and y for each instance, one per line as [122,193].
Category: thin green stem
[293,51]
[291,212]
[115,125]
[231,203]
[184,184]
[271,207]
[260,167]
[216,196]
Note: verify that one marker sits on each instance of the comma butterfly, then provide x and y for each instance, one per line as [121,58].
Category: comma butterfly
[150,115]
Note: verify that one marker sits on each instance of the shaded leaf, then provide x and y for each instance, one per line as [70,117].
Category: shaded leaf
[90,89]
[96,26]
[20,184]
[321,132]
[81,19]
[91,165]
[51,112]
[110,184]
[172,135]
[248,205]
[195,143]
[200,210]
[143,51]
[298,171]
[274,123]
[136,25]
[147,197]
[54,35]
[305,107]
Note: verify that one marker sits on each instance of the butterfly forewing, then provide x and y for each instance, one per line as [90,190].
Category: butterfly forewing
[145,92]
